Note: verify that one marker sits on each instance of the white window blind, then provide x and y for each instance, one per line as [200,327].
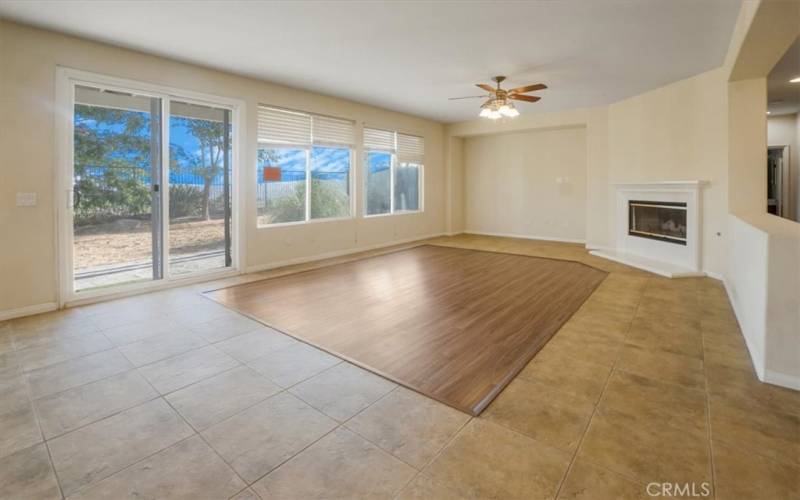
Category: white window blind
[410,148]
[278,126]
[382,140]
[282,126]
[332,131]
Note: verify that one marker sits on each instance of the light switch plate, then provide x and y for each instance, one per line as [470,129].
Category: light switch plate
[26,199]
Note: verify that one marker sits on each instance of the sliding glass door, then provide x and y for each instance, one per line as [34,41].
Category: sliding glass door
[199,188]
[116,203]
[150,188]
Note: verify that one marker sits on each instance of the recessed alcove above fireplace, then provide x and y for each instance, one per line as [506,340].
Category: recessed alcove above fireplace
[658,227]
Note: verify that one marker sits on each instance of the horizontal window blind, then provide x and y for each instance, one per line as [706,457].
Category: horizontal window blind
[379,139]
[282,126]
[279,126]
[332,131]
[410,148]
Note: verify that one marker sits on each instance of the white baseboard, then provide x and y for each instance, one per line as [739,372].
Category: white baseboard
[338,253]
[781,379]
[755,354]
[28,310]
[714,275]
[525,236]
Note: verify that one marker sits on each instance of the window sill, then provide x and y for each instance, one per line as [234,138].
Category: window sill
[304,222]
[403,212]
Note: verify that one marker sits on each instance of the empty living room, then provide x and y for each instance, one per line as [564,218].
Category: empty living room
[391,249]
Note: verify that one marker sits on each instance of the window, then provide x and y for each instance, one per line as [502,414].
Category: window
[303,167]
[393,166]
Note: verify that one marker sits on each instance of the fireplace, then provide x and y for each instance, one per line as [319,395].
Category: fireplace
[658,227]
[658,220]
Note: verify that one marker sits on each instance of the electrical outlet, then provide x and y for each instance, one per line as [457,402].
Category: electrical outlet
[26,199]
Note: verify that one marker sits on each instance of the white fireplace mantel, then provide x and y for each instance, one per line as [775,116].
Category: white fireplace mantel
[664,258]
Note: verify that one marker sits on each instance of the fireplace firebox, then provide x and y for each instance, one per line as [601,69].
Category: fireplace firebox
[658,220]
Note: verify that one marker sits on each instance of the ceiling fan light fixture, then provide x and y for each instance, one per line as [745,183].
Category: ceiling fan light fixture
[500,101]
[508,110]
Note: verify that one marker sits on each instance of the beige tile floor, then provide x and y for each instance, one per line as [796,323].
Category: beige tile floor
[169,395]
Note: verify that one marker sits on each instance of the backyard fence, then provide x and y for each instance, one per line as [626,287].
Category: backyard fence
[107,193]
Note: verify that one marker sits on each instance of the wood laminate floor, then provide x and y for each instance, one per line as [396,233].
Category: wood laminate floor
[454,324]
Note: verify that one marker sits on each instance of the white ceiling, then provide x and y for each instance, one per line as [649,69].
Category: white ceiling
[412,56]
[784,97]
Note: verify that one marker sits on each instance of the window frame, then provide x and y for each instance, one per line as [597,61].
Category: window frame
[308,148]
[420,192]
[66,79]
[392,169]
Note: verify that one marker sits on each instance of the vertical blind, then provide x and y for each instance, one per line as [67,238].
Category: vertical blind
[409,148]
[283,126]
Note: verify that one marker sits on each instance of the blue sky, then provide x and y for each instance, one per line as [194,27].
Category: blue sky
[326,162]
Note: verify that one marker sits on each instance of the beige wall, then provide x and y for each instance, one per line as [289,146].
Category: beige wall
[782,131]
[27,115]
[594,121]
[455,185]
[747,152]
[678,132]
[512,184]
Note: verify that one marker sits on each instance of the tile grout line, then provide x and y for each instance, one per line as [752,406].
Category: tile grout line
[39,425]
[708,414]
[88,486]
[439,453]
[602,393]
[338,425]
[24,375]
[200,435]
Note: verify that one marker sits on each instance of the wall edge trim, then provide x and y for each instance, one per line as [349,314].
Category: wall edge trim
[19,312]
[526,236]
[339,253]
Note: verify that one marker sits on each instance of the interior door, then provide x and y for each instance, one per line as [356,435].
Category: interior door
[116,201]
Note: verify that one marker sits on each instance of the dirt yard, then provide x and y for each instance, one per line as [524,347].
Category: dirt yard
[129,240]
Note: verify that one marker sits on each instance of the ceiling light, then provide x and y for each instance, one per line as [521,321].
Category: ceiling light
[508,110]
[795,80]
[769,112]
[494,114]
[485,112]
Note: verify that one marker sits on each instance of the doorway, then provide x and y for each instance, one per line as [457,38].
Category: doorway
[149,182]
[778,182]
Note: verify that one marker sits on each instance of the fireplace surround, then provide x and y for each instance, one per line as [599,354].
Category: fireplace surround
[658,227]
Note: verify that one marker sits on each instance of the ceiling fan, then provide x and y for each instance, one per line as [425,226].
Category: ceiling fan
[499,103]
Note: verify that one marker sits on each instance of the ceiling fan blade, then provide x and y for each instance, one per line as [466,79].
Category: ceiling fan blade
[467,97]
[486,87]
[528,98]
[528,88]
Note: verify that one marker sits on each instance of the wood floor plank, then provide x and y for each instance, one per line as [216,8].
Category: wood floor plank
[454,324]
